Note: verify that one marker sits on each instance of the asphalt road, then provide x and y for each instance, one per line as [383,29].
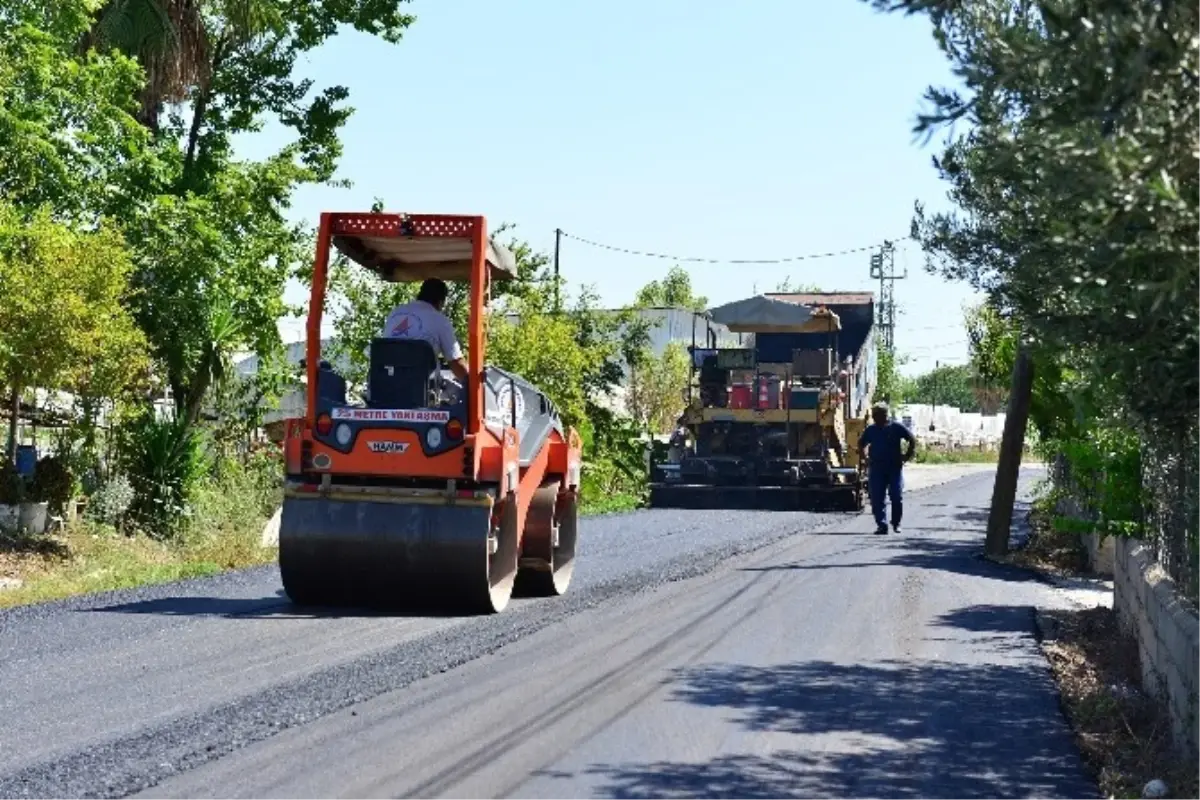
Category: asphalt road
[696,654]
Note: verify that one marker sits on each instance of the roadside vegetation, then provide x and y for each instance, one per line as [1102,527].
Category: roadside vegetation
[960,455]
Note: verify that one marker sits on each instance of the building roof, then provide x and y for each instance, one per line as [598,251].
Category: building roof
[827,298]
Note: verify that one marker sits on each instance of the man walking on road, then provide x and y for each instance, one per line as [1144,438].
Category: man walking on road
[885,473]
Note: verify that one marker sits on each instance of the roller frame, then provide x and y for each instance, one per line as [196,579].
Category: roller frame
[393,527]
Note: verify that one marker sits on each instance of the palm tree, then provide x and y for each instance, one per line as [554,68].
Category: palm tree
[177,41]
[169,40]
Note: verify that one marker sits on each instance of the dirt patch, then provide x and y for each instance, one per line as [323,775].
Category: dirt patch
[1049,550]
[21,554]
[1122,732]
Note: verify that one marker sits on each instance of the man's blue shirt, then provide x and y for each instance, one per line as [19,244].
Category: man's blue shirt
[886,443]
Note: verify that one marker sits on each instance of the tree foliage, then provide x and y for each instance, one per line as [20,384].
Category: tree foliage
[68,139]
[1077,184]
[946,385]
[1077,188]
[123,114]
[210,277]
[654,397]
[212,243]
[890,386]
[62,322]
[674,290]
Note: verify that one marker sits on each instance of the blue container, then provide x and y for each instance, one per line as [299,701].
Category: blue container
[805,399]
[26,459]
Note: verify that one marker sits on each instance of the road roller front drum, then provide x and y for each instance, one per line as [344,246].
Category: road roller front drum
[388,554]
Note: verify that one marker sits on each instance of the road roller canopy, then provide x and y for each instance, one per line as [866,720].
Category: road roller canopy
[764,314]
[403,247]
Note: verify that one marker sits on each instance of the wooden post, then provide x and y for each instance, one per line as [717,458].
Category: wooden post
[557,287]
[14,411]
[1004,491]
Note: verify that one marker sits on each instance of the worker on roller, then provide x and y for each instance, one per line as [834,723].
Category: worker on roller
[423,319]
[885,474]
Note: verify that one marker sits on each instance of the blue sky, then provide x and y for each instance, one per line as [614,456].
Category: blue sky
[778,129]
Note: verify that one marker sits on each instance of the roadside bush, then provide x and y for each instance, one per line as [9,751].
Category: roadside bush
[229,511]
[165,460]
[12,485]
[110,503]
[53,483]
[1098,482]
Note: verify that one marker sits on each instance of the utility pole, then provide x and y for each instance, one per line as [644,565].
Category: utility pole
[932,425]
[557,286]
[1004,491]
[883,269]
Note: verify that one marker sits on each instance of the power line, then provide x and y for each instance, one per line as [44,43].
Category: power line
[698,260]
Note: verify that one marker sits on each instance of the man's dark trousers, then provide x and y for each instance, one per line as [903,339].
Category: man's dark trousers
[882,481]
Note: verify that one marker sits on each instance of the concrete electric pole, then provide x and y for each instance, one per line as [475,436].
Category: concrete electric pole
[883,269]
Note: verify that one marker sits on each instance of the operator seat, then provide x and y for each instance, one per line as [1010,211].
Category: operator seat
[331,387]
[400,372]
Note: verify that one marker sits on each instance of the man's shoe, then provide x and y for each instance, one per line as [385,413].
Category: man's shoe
[881,530]
[895,529]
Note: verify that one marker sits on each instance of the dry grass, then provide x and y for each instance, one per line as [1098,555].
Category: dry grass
[223,534]
[1123,734]
[94,558]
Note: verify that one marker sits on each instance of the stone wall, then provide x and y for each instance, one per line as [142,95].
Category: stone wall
[1167,631]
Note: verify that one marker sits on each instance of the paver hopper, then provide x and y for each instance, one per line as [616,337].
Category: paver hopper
[431,491]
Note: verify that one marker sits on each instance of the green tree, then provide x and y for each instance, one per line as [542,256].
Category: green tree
[654,396]
[68,138]
[214,248]
[890,385]
[210,277]
[992,344]
[62,322]
[1078,183]
[170,40]
[946,385]
[673,291]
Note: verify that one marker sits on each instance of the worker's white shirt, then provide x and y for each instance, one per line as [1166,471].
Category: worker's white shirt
[419,320]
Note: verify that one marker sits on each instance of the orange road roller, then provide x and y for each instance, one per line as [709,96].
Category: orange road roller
[436,490]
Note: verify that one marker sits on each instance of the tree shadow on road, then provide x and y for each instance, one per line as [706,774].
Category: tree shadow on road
[960,556]
[888,729]
[996,628]
[957,548]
